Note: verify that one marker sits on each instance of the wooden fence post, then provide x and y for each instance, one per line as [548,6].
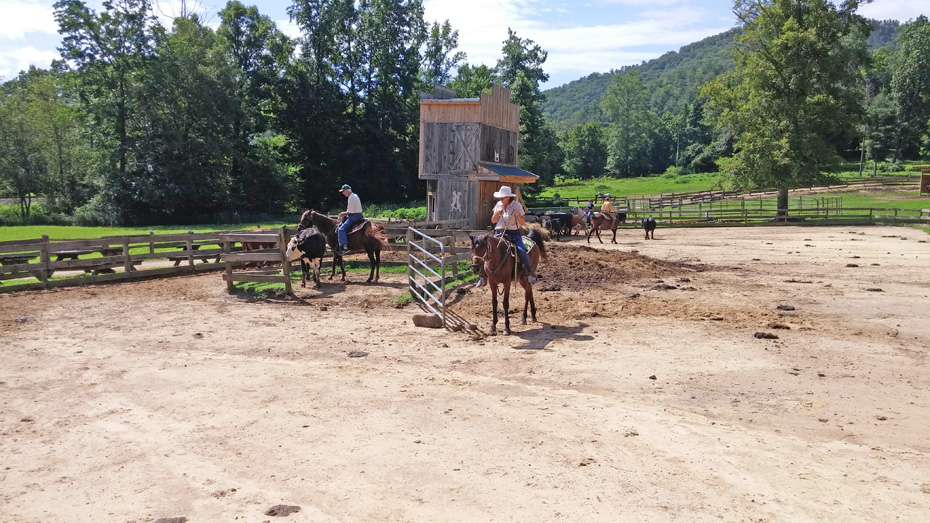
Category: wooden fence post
[455,265]
[127,263]
[43,258]
[230,288]
[285,265]
[151,242]
[190,249]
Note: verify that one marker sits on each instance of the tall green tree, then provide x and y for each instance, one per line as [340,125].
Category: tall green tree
[626,105]
[470,81]
[911,84]
[521,70]
[585,149]
[440,57]
[794,86]
[110,49]
[22,160]
[260,179]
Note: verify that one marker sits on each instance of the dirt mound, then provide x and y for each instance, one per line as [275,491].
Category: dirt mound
[581,267]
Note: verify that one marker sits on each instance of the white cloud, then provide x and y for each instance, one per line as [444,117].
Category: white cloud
[900,10]
[20,17]
[16,60]
[573,49]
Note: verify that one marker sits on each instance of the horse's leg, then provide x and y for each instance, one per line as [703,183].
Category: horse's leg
[371,262]
[377,263]
[528,296]
[614,240]
[303,273]
[507,306]
[589,235]
[597,230]
[493,286]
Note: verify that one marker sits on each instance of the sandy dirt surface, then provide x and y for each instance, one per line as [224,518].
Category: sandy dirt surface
[641,395]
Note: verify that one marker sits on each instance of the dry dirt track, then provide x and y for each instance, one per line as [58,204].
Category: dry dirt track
[141,401]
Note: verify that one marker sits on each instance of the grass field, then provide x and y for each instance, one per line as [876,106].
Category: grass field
[65,232]
[629,186]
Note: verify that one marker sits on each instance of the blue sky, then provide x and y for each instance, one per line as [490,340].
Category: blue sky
[581,37]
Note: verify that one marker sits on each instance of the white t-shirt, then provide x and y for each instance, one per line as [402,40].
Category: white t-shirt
[508,219]
[355,204]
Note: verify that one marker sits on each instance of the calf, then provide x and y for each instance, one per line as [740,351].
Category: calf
[554,226]
[308,246]
[649,224]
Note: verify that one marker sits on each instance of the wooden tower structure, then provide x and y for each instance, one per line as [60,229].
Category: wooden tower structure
[468,150]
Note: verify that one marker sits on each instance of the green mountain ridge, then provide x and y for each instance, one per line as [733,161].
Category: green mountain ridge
[673,78]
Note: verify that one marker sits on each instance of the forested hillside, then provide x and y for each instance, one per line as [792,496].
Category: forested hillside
[673,79]
[652,117]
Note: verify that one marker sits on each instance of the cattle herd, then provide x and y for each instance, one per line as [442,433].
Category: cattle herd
[570,223]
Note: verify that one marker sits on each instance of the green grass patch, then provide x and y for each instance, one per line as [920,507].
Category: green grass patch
[465,276]
[646,185]
[882,200]
[64,232]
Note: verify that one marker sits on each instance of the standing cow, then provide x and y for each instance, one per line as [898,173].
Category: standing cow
[649,225]
[308,246]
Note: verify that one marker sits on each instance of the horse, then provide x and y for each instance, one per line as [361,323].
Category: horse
[498,258]
[602,220]
[370,239]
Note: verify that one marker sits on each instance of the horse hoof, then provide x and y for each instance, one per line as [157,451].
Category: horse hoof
[507,332]
[524,321]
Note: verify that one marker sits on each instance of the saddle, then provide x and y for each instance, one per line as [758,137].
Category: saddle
[359,226]
[528,244]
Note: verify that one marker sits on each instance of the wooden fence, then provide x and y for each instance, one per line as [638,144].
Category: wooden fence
[652,202]
[33,263]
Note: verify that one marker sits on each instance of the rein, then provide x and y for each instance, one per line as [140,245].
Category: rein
[503,259]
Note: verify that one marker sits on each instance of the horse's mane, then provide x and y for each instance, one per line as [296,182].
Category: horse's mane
[324,223]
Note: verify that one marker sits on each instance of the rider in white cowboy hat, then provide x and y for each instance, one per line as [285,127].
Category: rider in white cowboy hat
[507,218]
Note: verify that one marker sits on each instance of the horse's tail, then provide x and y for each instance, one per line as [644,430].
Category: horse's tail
[537,237]
[376,231]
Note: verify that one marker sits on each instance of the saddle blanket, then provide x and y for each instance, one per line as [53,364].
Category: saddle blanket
[529,244]
[359,226]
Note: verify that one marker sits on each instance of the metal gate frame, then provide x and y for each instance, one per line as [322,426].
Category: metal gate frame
[427,291]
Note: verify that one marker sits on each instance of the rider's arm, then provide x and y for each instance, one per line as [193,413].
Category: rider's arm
[518,212]
[498,210]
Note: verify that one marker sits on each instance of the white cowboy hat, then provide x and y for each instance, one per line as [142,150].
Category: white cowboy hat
[505,192]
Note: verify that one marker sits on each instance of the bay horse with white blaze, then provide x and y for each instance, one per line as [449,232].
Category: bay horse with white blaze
[370,238]
[497,257]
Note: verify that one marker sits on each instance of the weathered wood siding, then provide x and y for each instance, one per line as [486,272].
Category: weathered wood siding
[456,199]
[497,111]
[498,145]
[448,148]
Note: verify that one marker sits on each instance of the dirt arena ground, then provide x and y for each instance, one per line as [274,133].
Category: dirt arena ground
[641,395]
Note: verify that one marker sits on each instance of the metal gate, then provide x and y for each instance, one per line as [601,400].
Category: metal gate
[426,269]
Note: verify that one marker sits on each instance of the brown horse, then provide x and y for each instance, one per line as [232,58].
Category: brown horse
[603,221]
[370,239]
[497,257]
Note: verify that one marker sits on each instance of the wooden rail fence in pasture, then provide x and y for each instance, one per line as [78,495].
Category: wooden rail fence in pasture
[431,255]
[32,264]
[242,258]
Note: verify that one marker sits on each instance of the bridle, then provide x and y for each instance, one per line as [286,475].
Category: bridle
[475,259]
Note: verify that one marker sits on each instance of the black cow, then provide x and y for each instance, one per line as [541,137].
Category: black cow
[554,226]
[649,224]
[565,221]
[308,246]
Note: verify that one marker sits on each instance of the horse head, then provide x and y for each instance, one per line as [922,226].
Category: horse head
[305,221]
[479,251]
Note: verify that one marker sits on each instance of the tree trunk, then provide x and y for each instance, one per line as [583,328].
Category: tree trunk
[782,203]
